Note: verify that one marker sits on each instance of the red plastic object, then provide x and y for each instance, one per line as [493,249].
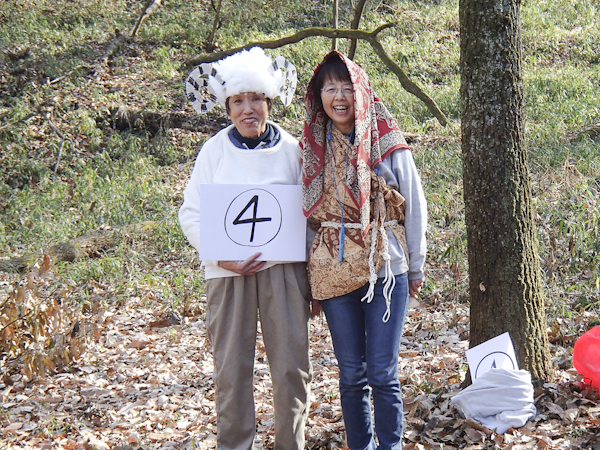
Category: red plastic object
[586,356]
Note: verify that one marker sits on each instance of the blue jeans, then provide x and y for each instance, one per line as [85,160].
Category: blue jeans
[367,352]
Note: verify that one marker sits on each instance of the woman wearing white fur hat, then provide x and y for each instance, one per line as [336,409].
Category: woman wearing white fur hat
[252,150]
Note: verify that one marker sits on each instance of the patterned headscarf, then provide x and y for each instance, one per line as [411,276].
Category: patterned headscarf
[376,135]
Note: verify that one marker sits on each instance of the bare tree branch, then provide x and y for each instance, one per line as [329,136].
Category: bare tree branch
[370,37]
[354,25]
[210,41]
[297,37]
[336,22]
[407,84]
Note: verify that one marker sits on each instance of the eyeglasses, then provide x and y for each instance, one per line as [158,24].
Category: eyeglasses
[331,91]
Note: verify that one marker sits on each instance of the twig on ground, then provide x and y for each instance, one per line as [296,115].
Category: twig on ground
[14,321]
[592,131]
[62,144]
[59,79]
[151,6]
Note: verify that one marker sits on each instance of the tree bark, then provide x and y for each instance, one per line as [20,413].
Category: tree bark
[504,272]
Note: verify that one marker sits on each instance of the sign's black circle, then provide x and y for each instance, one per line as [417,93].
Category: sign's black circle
[261,195]
[490,355]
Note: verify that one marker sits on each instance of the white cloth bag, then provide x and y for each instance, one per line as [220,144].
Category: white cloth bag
[498,399]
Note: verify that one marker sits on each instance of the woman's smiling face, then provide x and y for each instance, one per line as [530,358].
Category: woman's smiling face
[249,112]
[338,102]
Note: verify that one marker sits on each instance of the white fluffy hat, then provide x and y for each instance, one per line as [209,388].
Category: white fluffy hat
[246,71]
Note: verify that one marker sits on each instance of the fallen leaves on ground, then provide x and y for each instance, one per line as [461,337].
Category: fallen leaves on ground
[147,383]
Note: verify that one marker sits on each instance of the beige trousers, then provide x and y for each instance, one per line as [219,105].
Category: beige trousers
[279,297]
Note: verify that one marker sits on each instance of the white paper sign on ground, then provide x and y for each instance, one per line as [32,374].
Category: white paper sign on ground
[237,221]
[497,352]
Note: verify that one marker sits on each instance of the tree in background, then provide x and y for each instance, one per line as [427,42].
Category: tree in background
[504,271]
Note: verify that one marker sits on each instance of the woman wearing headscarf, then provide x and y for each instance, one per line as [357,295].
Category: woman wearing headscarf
[363,197]
[253,150]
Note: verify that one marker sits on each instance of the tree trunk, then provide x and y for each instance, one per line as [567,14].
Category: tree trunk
[504,272]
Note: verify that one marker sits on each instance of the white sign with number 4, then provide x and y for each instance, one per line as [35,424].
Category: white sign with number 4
[237,221]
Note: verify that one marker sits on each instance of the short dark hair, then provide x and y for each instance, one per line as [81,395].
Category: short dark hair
[332,69]
[269,105]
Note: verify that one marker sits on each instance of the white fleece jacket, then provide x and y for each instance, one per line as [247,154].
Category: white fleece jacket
[221,162]
[400,172]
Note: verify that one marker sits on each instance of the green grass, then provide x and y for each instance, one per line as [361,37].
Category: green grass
[112,178]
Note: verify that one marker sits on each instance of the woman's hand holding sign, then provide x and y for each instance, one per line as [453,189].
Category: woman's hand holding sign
[247,267]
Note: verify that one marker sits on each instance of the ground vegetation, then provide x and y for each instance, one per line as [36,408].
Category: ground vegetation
[109,350]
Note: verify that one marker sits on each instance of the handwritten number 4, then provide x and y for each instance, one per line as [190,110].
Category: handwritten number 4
[254,220]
